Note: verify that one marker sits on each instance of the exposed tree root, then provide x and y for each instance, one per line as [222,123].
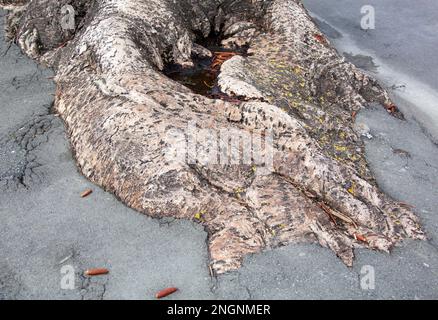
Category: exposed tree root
[119,110]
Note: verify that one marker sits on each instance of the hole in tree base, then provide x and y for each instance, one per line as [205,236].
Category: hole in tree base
[202,77]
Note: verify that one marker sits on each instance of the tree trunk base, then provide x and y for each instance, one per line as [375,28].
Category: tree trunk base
[127,120]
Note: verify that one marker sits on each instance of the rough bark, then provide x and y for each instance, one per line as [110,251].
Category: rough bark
[119,108]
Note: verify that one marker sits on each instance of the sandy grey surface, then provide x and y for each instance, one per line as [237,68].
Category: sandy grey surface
[45,225]
[404,35]
[403,45]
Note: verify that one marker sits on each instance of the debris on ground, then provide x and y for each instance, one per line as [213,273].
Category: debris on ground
[166,292]
[86,193]
[96,272]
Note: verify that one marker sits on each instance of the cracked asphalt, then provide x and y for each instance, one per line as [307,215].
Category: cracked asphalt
[45,225]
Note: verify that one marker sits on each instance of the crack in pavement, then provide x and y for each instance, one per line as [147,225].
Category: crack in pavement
[20,165]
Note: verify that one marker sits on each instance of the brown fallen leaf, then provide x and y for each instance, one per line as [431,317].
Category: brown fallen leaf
[96,272]
[391,108]
[86,193]
[166,292]
[220,58]
[225,53]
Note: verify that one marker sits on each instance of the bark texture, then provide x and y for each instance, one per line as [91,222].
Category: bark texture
[119,108]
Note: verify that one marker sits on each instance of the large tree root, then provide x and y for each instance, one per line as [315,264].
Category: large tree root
[120,111]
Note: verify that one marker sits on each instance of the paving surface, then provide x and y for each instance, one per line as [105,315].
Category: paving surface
[45,225]
[403,45]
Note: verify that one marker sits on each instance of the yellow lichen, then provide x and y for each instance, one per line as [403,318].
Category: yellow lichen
[199,216]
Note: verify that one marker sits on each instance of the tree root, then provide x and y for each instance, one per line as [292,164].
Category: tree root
[124,118]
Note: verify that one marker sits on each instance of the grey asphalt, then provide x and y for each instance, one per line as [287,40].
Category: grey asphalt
[403,45]
[46,225]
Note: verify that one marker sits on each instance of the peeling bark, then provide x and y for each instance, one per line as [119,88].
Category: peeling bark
[119,108]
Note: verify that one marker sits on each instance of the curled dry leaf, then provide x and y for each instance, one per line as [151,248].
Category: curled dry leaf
[96,272]
[86,193]
[166,292]
[391,108]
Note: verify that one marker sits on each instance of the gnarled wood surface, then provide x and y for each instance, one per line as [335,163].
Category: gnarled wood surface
[119,109]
